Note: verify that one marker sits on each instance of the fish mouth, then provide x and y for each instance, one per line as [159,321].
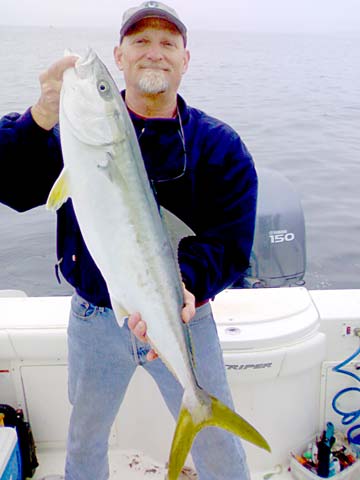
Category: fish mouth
[85,64]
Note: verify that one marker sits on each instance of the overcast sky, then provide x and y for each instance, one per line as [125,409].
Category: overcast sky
[245,15]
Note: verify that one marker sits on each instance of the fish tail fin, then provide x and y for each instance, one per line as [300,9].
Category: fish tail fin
[214,414]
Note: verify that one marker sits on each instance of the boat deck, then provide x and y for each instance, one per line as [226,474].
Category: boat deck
[280,346]
[132,465]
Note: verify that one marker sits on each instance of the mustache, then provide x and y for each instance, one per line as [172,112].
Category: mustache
[154,66]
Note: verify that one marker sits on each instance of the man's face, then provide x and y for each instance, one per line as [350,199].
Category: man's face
[152,57]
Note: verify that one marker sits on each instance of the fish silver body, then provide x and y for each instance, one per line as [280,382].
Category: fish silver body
[123,229]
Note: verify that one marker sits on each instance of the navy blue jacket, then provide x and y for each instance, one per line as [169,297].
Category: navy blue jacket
[216,196]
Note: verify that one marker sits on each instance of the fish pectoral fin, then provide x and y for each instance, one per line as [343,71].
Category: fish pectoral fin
[60,192]
[119,311]
[214,415]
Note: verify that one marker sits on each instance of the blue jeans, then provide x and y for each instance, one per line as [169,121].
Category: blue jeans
[102,360]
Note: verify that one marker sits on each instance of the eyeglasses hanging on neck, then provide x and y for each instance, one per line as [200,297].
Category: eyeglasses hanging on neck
[159,166]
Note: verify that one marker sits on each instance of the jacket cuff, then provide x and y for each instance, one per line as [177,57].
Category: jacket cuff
[26,122]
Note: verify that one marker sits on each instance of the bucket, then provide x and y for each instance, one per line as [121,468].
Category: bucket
[353,436]
[10,461]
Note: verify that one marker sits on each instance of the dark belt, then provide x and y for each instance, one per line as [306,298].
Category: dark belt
[201,303]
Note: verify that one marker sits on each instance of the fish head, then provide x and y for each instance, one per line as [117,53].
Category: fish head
[90,104]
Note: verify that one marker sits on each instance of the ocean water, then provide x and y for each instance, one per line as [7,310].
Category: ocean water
[293,98]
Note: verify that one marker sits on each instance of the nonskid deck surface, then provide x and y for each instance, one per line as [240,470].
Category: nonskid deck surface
[124,465]
[132,465]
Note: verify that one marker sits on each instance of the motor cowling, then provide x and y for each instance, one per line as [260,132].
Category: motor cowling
[278,256]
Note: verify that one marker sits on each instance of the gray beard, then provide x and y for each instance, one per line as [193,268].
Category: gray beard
[153,82]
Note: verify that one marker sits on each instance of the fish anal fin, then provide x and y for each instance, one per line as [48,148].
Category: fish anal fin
[119,311]
[60,191]
[165,362]
[213,414]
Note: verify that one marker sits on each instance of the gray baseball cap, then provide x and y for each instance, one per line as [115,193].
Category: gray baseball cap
[151,10]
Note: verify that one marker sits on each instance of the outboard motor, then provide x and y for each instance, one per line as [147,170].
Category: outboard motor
[278,256]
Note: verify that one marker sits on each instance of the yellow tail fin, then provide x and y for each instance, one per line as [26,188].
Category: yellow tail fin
[221,416]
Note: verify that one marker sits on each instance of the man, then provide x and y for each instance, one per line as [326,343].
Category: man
[202,172]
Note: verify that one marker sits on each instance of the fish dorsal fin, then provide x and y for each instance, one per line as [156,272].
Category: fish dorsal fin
[119,311]
[176,228]
[60,191]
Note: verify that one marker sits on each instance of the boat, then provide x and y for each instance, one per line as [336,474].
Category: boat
[292,357]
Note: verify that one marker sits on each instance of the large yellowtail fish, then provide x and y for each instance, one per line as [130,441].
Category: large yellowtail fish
[122,226]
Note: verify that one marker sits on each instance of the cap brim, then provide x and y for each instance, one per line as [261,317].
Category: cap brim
[153,13]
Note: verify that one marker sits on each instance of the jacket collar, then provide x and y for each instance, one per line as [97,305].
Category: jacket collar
[182,106]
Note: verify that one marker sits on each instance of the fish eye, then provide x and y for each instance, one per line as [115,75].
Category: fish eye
[104,89]
[103,86]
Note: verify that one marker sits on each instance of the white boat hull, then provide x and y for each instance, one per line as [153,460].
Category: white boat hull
[279,345]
